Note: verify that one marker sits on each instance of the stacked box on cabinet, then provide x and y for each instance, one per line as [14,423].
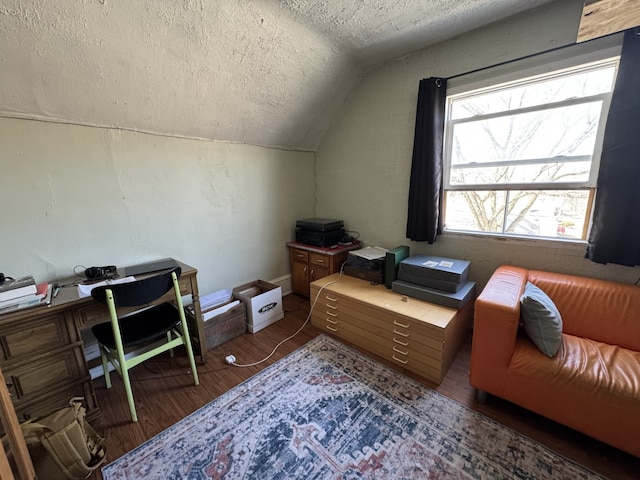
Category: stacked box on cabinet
[224,318]
[440,280]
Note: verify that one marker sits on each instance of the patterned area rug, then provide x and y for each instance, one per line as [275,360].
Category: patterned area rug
[328,412]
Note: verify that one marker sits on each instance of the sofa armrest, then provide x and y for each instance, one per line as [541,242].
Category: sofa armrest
[495,328]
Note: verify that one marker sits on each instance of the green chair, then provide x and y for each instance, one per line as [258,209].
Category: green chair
[163,326]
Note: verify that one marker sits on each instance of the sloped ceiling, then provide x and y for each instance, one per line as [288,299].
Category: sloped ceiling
[262,72]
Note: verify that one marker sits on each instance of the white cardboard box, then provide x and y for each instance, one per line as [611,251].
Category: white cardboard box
[263,301]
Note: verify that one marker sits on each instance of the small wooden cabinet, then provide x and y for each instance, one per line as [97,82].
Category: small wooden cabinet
[419,336]
[309,263]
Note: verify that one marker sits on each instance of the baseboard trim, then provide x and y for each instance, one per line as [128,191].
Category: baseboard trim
[283,282]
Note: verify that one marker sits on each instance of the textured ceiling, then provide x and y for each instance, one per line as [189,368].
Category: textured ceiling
[263,72]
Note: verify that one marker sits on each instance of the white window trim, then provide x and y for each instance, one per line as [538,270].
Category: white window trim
[536,65]
[581,53]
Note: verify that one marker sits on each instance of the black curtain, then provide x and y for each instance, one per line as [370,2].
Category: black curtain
[615,233]
[424,220]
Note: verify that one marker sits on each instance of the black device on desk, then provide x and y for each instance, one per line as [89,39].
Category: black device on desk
[97,273]
[320,232]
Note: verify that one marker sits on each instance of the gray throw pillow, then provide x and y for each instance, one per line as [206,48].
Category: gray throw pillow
[541,319]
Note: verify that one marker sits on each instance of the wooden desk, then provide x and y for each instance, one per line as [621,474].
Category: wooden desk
[42,355]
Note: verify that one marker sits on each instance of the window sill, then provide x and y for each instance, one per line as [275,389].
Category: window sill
[524,240]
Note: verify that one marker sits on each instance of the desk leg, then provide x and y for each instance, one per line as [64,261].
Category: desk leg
[200,333]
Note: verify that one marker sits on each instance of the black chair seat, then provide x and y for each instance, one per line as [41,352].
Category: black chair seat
[141,327]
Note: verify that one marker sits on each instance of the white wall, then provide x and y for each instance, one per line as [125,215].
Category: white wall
[73,195]
[364,162]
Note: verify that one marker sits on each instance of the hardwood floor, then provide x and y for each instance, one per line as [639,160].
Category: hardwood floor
[164,394]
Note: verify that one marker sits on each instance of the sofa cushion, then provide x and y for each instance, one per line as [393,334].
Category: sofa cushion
[541,319]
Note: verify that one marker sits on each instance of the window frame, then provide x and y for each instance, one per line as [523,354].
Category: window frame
[580,57]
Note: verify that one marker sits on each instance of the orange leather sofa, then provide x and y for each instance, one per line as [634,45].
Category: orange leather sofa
[593,383]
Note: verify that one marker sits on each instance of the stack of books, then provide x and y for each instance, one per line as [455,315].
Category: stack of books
[23,292]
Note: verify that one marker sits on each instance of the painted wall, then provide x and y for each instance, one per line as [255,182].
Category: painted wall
[73,195]
[364,162]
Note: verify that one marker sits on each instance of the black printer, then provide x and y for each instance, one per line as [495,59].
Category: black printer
[320,232]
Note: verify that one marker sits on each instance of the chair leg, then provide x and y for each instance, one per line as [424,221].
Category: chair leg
[168,340]
[192,360]
[105,367]
[127,388]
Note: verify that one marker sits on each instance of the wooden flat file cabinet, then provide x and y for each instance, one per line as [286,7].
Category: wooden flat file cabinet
[309,264]
[42,355]
[419,336]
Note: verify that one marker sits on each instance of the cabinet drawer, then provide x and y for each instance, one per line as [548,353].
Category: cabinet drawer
[38,377]
[299,255]
[432,371]
[45,404]
[385,317]
[41,335]
[393,345]
[398,330]
[318,259]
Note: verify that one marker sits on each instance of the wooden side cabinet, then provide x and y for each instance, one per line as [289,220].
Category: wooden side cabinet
[309,263]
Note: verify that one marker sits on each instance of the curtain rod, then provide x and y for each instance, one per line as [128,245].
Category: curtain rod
[524,57]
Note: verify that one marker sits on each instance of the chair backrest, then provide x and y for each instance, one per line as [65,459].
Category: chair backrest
[137,293]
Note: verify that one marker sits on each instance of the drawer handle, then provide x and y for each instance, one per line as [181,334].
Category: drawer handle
[331,299]
[399,360]
[396,349]
[402,334]
[331,314]
[332,321]
[395,322]
[399,342]
[333,307]
[299,255]
[329,327]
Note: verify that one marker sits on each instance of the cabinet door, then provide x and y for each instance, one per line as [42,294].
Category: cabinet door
[318,265]
[300,278]
[299,271]
[317,272]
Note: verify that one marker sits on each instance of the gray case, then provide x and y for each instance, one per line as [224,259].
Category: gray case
[452,300]
[423,268]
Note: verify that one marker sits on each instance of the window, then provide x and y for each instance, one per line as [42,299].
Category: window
[521,157]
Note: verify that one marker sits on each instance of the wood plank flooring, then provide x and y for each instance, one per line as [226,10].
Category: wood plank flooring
[164,393]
